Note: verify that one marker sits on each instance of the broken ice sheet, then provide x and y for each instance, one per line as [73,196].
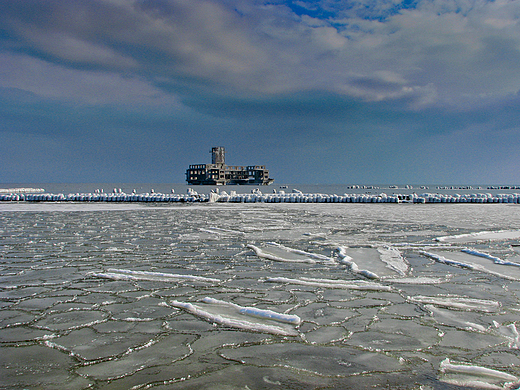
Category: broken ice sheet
[242,317]
[321,360]
[164,351]
[463,374]
[91,345]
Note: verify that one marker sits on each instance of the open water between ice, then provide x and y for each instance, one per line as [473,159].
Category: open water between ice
[259,296]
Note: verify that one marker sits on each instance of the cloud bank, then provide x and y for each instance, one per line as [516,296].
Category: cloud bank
[303,72]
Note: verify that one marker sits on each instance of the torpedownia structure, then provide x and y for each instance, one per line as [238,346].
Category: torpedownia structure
[218,173]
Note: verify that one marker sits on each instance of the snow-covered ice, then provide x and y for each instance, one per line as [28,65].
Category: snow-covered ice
[270,294]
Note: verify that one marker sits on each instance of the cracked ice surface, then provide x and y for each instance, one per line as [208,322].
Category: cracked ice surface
[367,295]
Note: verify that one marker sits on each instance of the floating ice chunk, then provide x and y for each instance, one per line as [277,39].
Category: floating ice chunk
[451,318]
[444,260]
[124,274]
[496,260]
[216,230]
[418,280]
[347,260]
[394,260]
[246,318]
[484,235]
[477,263]
[510,332]
[380,262]
[474,376]
[255,312]
[315,256]
[270,256]
[332,283]
[461,303]
[352,266]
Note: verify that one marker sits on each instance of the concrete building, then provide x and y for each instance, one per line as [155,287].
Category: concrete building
[218,173]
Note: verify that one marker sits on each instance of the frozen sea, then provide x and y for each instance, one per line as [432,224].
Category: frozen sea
[259,296]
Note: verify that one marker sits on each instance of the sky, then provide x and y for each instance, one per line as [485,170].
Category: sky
[321,92]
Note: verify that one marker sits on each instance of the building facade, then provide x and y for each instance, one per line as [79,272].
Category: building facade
[218,173]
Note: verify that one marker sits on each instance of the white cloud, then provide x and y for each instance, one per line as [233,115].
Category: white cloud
[77,86]
[440,50]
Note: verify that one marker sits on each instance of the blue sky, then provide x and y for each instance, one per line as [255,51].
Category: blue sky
[332,91]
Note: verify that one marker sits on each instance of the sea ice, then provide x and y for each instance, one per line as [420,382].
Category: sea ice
[277,252]
[482,236]
[377,262]
[321,360]
[474,376]
[475,262]
[123,274]
[495,259]
[394,260]
[510,332]
[246,318]
[163,351]
[314,256]
[332,283]
[460,303]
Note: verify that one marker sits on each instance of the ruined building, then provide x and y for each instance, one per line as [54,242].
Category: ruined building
[218,173]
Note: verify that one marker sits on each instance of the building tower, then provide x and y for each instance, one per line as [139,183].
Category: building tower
[218,155]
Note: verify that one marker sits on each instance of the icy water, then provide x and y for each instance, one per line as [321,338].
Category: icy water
[259,296]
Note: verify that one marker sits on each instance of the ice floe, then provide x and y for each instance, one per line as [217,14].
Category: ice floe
[394,260]
[276,254]
[347,260]
[510,332]
[418,280]
[240,317]
[462,374]
[452,318]
[314,256]
[221,231]
[482,236]
[124,274]
[495,259]
[477,262]
[332,283]
[377,262]
[460,303]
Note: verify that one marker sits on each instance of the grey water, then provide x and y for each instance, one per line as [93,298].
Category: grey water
[68,321]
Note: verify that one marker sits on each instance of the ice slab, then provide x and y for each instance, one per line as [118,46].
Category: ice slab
[510,332]
[315,256]
[125,274]
[459,303]
[222,231]
[475,262]
[456,319]
[418,280]
[495,259]
[475,376]
[374,262]
[37,366]
[240,317]
[319,360]
[332,283]
[278,252]
[72,320]
[163,351]
[394,260]
[482,236]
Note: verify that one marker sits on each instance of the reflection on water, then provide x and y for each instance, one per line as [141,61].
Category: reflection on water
[187,296]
